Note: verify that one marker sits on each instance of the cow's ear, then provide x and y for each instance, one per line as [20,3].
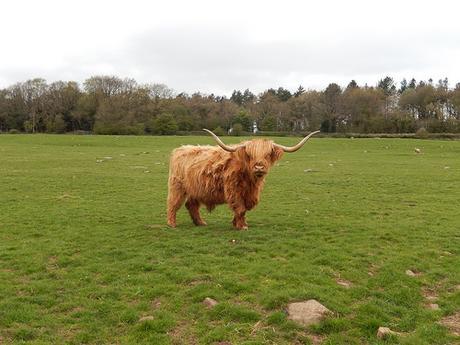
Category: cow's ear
[276,154]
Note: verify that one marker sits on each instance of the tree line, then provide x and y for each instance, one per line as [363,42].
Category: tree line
[112,105]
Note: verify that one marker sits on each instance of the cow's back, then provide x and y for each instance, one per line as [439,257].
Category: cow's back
[199,170]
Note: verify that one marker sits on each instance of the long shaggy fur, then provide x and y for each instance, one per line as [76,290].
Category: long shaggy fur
[209,176]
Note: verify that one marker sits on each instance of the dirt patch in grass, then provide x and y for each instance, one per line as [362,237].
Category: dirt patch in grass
[430,294]
[452,322]
[182,334]
[316,339]
[52,263]
[156,304]
[68,333]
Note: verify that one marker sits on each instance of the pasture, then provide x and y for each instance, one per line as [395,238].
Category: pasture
[85,252]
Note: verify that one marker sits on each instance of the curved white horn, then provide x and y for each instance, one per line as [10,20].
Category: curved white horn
[220,142]
[298,146]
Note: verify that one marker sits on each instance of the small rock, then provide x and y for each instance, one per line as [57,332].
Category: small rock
[344,283]
[433,306]
[146,318]
[383,332]
[209,302]
[307,313]
[412,273]
[308,170]
[108,157]
[99,160]
[417,150]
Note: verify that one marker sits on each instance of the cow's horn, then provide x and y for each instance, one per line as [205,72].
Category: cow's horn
[220,142]
[298,146]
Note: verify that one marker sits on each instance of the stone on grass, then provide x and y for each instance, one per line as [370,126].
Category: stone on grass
[433,306]
[209,302]
[146,318]
[417,150]
[412,273]
[307,313]
[345,283]
[384,332]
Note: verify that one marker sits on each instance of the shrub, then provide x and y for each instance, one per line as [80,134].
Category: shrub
[164,124]
[237,129]
[118,129]
[13,131]
[243,118]
[56,125]
[269,123]
[219,131]
[422,133]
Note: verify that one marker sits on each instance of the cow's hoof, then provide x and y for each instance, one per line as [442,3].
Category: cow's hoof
[242,228]
[202,223]
[171,225]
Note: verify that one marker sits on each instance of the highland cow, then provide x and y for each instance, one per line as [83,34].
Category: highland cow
[214,175]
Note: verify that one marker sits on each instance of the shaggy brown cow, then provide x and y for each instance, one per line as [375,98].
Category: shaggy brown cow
[213,175]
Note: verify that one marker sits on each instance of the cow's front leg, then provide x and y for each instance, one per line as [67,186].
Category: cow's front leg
[239,220]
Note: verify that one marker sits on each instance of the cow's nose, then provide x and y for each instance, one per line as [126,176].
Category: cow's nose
[259,167]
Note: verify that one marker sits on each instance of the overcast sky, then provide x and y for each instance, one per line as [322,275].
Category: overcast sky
[219,46]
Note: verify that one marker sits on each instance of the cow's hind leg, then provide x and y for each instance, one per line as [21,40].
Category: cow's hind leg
[176,197]
[193,207]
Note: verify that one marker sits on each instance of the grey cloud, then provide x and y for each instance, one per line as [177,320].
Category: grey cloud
[209,60]
[213,60]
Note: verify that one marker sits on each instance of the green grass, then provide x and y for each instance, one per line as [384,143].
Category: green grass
[85,253]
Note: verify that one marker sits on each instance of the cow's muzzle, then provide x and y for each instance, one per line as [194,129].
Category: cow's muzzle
[259,171]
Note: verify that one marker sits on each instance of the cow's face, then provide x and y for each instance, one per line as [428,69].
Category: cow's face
[258,156]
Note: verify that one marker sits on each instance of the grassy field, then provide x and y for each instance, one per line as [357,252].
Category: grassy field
[85,253]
